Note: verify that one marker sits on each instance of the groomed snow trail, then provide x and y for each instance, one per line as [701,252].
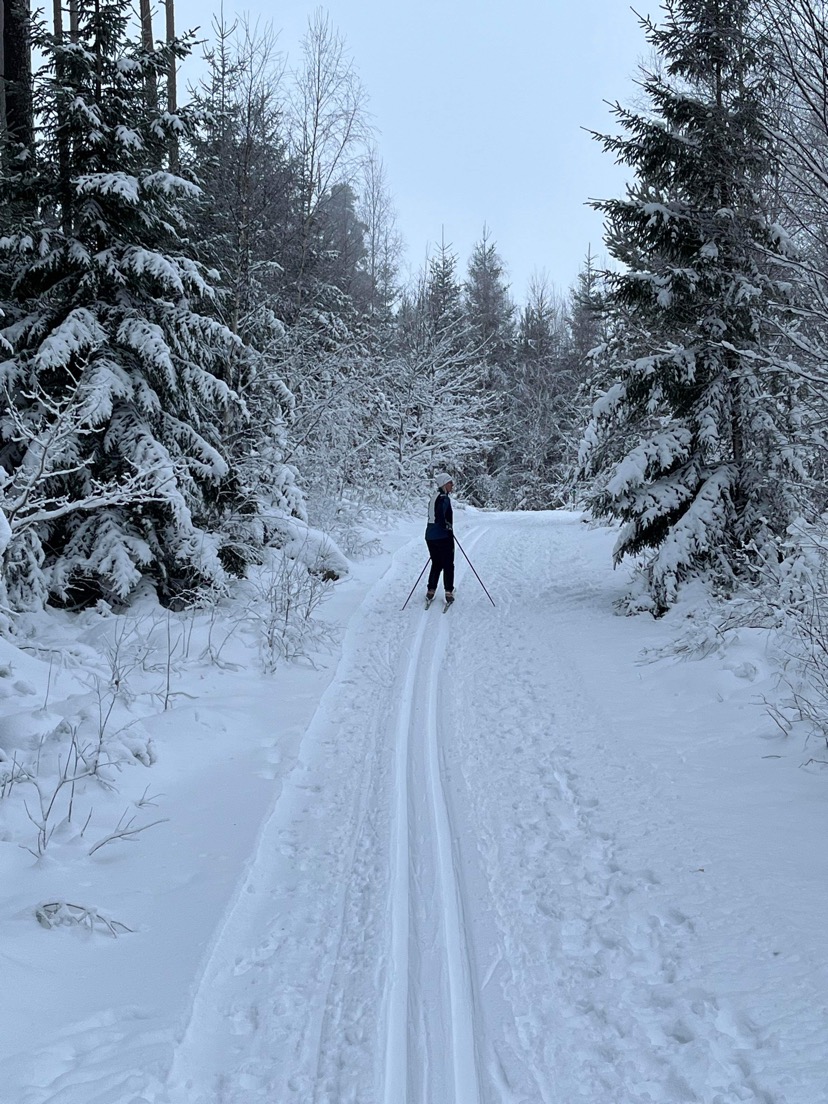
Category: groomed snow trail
[436,912]
[430,990]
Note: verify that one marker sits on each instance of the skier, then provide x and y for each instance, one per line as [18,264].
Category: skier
[439,537]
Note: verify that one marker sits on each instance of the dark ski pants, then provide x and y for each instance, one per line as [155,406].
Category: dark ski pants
[442,559]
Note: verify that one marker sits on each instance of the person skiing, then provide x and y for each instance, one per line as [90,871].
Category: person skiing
[439,537]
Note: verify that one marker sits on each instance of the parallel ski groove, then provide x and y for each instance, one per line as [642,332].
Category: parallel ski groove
[422,685]
[463,1050]
[395,1089]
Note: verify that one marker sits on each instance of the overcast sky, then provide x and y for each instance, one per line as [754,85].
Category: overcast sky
[479,106]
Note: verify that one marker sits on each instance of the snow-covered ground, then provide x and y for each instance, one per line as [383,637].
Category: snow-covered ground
[486,857]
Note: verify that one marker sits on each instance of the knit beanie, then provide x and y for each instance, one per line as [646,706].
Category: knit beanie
[443,478]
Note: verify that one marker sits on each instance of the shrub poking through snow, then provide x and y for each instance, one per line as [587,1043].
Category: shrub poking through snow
[286,596]
[794,598]
[62,914]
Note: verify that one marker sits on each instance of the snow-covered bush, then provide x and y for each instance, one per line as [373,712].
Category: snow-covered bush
[66,754]
[282,611]
[310,549]
[350,522]
[793,596]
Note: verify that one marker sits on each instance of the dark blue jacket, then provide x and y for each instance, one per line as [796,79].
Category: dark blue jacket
[440,517]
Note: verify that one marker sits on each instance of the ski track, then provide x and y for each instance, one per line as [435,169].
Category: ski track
[431,916]
[429,951]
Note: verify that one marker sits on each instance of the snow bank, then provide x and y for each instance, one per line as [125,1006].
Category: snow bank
[311,547]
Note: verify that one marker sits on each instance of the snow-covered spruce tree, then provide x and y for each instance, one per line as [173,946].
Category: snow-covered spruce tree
[440,298]
[490,312]
[239,154]
[489,315]
[537,404]
[101,301]
[706,411]
[593,338]
[588,322]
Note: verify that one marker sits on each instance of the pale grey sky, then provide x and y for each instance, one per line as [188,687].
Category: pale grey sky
[479,106]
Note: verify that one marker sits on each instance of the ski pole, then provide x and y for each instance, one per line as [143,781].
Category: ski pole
[425,565]
[471,565]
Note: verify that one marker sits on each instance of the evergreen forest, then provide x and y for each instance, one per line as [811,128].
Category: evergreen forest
[209,350]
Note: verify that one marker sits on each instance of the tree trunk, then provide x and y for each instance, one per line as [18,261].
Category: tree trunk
[147,42]
[98,55]
[172,92]
[2,70]
[17,72]
[65,186]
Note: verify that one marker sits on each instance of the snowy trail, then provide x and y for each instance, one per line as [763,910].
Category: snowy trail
[454,908]
[379,1006]
[454,900]
[396,1045]
[425,857]
[588,959]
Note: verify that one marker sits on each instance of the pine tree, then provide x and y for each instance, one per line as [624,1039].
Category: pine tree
[587,318]
[489,310]
[444,295]
[114,372]
[704,409]
[538,421]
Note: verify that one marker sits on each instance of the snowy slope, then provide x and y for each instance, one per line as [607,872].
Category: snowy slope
[504,861]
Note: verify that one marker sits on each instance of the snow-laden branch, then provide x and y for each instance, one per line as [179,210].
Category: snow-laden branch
[133,490]
[27,496]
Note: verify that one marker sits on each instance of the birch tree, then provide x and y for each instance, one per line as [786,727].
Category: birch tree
[330,130]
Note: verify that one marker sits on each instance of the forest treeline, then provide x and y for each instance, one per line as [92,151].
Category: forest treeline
[205,333]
